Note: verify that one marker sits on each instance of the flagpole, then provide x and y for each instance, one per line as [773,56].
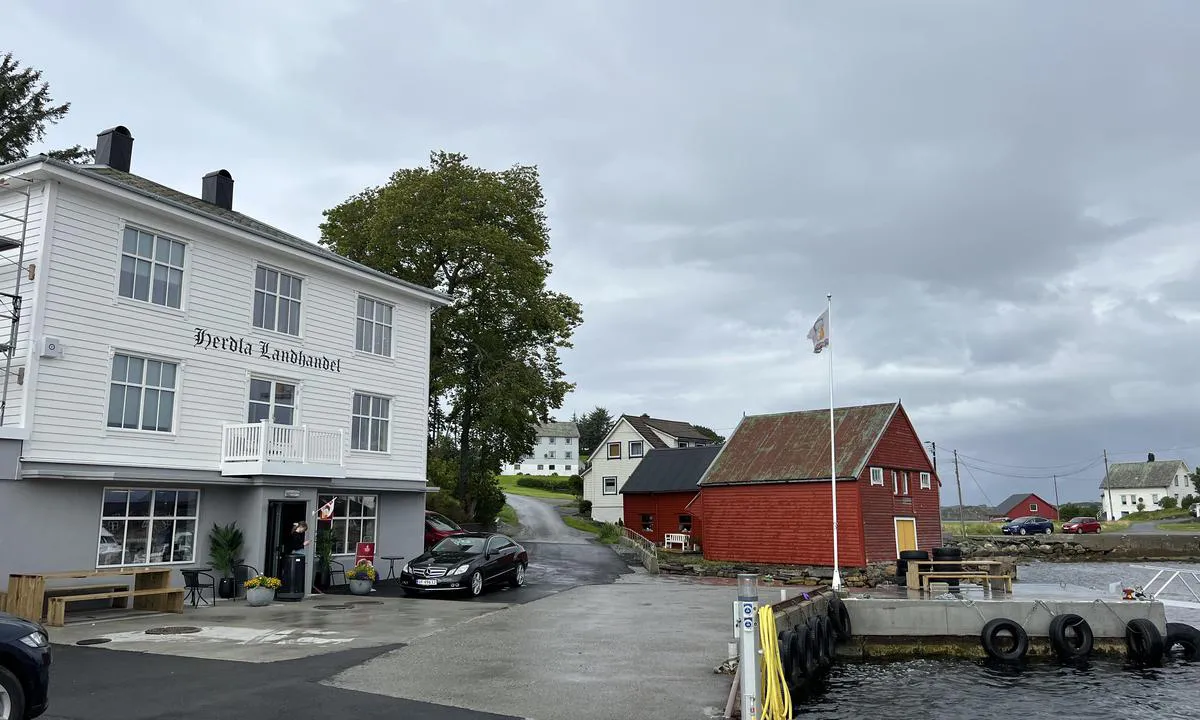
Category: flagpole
[837,575]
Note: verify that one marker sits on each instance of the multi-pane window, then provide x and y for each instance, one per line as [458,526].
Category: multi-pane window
[151,268]
[926,481]
[635,448]
[369,423]
[147,527]
[276,301]
[647,523]
[876,476]
[610,486]
[273,401]
[353,521]
[374,328]
[685,523]
[141,393]
[614,451]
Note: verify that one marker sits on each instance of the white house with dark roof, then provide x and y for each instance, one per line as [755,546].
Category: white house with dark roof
[555,452]
[619,453]
[178,364]
[1144,483]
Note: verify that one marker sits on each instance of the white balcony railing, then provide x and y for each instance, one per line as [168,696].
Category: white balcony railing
[264,447]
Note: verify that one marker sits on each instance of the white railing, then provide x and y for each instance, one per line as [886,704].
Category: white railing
[643,546]
[268,442]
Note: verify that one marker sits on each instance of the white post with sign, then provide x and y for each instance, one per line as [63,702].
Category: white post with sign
[748,659]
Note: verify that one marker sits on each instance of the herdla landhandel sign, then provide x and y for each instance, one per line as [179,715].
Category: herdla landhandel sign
[263,349]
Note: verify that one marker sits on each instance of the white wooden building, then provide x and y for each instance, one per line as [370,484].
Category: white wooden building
[555,452]
[180,364]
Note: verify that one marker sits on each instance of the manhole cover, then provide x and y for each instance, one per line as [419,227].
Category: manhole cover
[331,607]
[93,641]
[173,630]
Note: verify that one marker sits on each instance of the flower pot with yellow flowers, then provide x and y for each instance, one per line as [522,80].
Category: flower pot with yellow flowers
[260,590]
[361,577]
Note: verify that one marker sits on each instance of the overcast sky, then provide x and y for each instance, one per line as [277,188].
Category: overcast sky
[1001,196]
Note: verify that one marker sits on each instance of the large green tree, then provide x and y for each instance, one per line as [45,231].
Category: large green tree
[593,425]
[25,109]
[481,237]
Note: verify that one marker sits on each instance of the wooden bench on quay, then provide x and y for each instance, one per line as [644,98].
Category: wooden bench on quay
[151,591]
[984,576]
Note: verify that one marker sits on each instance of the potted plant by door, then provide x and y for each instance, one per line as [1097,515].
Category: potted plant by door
[361,577]
[323,549]
[225,551]
[260,590]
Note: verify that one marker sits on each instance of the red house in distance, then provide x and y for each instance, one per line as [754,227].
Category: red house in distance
[767,497]
[1026,504]
[661,496]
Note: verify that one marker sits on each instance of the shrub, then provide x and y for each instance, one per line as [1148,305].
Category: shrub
[552,483]
[576,485]
[1168,502]
[1187,501]
[609,533]
[445,503]
[585,507]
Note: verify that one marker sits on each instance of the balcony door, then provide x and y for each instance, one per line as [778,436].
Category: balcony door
[275,402]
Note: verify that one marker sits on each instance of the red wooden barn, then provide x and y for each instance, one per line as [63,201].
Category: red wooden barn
[767,497]
[1026,504]
[660,496]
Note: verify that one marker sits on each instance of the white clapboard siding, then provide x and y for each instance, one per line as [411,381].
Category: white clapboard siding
[13,204]
[83,310]
[609,508]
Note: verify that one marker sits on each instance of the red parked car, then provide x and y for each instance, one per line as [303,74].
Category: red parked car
[1081,525]
[438,527]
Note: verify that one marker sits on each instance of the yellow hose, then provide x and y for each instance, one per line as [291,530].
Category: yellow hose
[776,698]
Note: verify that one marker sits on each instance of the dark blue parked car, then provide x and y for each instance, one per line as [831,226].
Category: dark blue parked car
[24,668]
[1031,525]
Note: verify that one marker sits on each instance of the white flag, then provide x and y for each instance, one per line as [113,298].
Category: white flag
[820,332]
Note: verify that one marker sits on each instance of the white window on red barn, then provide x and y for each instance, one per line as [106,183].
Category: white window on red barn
[926,481]
[877,476]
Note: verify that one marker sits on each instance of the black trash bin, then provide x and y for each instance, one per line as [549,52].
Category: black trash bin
[294,567]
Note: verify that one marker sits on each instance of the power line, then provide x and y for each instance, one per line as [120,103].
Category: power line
[1028,467]
[981,490]
[1044,476]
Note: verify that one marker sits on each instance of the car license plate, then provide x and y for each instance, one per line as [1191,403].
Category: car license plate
[426,581]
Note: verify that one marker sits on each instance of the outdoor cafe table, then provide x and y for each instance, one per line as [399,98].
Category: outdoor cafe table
[27,591]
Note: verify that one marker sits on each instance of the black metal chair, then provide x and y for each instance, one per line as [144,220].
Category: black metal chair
[241,573]
[335,568]
[194,581]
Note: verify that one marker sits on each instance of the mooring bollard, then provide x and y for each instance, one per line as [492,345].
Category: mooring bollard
[749,661]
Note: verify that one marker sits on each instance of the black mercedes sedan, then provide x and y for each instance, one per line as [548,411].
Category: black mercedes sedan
[24,668]
[466,563]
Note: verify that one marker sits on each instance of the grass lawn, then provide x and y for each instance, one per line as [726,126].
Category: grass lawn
[993,528]
[1157,515]
[605,532]
[1189,526]
[508,516]
[508,483]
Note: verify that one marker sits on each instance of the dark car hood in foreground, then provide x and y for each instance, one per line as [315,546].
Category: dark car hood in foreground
[447,559]
[13,627]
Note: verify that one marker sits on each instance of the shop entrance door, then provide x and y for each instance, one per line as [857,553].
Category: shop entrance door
[281,515]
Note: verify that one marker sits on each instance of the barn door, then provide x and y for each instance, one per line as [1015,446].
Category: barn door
[906,534]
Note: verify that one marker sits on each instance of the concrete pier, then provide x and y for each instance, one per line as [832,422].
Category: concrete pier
[897,628]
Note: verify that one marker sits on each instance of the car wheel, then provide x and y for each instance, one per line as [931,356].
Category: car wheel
[476,584]
[12,697]
[1023,532]
[518,578]
[1049,530]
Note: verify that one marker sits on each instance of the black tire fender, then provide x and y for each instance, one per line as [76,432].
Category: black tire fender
[830,638]
[785,653]
[799,663]
[1144,642]
[1071,647]
[840,617]
[1186,637]
[988,637]
[812,652]
[16,692]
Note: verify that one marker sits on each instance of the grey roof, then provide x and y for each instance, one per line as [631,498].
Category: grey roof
[1139,475]
[671,470]
[192,204]
[558,429]
[646,425]
[1010,502]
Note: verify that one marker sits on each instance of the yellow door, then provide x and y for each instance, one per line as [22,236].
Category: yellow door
[906,534]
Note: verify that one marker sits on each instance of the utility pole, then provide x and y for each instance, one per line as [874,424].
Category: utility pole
[1106,490]
[958,482]
[1056,503]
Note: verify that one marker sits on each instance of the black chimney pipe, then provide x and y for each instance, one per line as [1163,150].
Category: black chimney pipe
[218,189]
[1150,457]
[114,148]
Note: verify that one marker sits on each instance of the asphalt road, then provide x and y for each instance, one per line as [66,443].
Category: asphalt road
[97,684]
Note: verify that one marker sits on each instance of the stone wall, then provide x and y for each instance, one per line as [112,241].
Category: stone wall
[1084,548]
[775,575]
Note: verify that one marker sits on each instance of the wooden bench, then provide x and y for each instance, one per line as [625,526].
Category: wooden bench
[683,540]
[984,578]
[121,601]
[160,599]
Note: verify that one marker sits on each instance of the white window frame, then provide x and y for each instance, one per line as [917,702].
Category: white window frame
[362,322]
[896,530]
[331,523]
[604,485]
[877,476]
[371,420]
[641,448]
[155,264]
[647,525]
[175,391]
[566,441]
[906,491]
[610,455]
[895,482]
[566,467]
[1033,507]
[552,439]
[541,467]
[276,295]
[275,381]
[195,519]
[926,481]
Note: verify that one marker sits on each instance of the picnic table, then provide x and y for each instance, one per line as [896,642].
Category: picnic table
[921,577]
[151,591]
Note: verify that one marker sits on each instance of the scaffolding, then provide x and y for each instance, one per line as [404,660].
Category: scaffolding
[14,232]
